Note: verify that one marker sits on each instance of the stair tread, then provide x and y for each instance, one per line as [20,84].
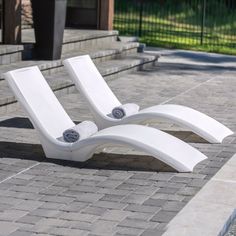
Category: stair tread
[62,80]
[72,35]
[102,50]
[112,66]
[6,49]
[94,53]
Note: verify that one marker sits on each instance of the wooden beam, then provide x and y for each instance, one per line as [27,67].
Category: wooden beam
[11,28]
[106,14]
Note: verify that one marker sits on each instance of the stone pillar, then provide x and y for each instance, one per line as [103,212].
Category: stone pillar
[11,28]
[106,14]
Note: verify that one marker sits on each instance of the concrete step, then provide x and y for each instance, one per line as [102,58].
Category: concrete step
[115,68]
[74,39]
[61,83]
[105,52]
[10,53]
[100,45]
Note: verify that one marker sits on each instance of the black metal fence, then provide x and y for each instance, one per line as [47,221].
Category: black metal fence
[194,23]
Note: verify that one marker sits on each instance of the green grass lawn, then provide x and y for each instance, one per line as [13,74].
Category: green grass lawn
[181,29]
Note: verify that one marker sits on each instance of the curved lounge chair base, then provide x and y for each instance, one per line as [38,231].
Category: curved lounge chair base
[199,123]
[101,101]
[158,144]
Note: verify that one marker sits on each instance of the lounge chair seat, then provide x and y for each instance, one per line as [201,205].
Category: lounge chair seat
[102,101]
[50,120]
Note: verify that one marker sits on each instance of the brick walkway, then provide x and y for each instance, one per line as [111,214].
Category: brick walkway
[115,193]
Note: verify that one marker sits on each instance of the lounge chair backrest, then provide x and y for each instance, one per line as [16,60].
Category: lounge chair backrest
[34,93]
[91,84]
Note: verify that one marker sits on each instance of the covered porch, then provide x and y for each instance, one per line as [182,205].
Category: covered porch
[17,14]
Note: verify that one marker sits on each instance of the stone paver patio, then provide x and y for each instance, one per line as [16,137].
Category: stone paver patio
[117,192]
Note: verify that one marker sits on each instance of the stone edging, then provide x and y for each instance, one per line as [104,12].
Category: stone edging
[210,211]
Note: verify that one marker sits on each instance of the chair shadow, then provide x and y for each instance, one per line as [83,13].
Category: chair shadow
[187,136]
[17,122]
[109,161]
[20,123]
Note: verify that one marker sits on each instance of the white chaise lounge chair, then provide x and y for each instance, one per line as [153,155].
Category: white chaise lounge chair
[50,120]
[101,101]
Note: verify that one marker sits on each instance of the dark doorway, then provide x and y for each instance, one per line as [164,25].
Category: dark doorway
[83,14]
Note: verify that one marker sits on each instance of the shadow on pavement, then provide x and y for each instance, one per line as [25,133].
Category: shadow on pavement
[111,161]
[205,57]
[194,67]
[20,122]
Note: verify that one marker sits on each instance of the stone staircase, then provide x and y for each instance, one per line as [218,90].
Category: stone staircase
[112,57]
[10,54]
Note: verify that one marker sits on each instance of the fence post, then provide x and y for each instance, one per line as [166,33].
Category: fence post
[140,18]
[203,20]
